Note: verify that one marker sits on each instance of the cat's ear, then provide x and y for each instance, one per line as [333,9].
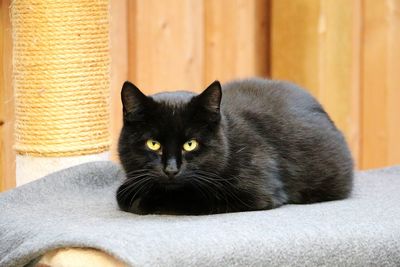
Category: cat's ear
[210,98]
[133,101]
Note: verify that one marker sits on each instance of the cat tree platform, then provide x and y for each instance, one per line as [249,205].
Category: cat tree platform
[76,207]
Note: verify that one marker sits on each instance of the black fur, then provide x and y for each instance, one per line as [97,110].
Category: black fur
[262,143]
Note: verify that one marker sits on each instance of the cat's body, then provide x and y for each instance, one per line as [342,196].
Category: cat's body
[265,144]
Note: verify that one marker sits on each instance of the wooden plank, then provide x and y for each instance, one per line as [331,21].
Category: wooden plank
[339,66]
[316,45]
[393,108]
[167,43]
[7,153]
[294,42]
[119,66]
[381,84]
[236,39]
[132,49]
[262,38]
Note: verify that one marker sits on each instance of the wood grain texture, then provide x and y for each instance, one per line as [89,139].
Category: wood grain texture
[7,153]
[381,84]
[316,45]
[339,66]
[167,44]
[119,66]
[236,39]
[294,42]
[262,39]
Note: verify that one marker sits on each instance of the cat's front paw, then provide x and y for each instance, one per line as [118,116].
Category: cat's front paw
[134,208]
[127,202]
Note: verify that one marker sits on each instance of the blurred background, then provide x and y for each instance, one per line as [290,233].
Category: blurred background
[345,52]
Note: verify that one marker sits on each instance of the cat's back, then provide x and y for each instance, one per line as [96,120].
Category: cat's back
[276,109]
[287,122]
[262,95]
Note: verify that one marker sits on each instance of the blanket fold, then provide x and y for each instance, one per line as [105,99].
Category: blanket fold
[76,207]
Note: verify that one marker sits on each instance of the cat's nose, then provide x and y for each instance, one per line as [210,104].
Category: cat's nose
[171,168]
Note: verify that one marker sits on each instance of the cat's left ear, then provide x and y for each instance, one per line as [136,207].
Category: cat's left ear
[210,98]
[134,102]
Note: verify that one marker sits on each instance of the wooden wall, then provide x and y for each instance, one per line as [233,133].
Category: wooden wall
[345,52]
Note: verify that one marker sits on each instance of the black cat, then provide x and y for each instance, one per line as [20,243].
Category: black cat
[252,145]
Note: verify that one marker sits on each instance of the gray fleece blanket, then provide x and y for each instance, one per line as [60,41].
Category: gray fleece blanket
[76,207]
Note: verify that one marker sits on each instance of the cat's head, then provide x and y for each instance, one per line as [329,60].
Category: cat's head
[171,140]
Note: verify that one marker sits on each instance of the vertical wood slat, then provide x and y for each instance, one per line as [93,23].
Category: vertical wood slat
[119,66]
[339,66]
[393,108]
[7,153]
[236,39]
[262,46]
[167,43]
[294,42]
[381,84]
[314,45]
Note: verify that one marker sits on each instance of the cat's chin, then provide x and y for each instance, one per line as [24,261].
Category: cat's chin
[171,185]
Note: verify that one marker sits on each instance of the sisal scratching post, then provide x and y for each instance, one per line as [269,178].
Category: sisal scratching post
[61,82]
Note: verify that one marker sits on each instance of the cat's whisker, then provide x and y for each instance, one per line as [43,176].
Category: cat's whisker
[209,197]
[136,177]
[140,171]
[143,186]
[208,173]
[220,180]
[230,192]
[212,180]
[134,184]
[133,187]
[211,190]
[240,149]
[205,179]
[218,192]
[209,184]
[197,185]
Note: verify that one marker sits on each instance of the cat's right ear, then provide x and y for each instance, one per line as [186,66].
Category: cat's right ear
[133,102]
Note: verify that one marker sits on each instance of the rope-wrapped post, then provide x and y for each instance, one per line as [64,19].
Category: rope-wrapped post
[61,78]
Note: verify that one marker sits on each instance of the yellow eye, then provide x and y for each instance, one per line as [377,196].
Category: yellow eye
[153,144]
[190,145]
